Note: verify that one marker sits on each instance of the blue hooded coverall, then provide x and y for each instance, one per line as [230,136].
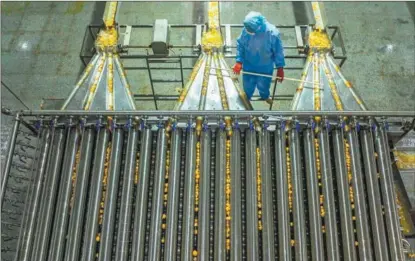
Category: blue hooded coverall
[258,53]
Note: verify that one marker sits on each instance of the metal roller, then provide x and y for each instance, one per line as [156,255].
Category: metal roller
[26,238]
[236,196]
[91,226]
[203,218]
[268,248]
[73,244]
[157,201]
[316,237]
[139,231]
[108,222]
[49,195]
[220,230]
[388,195]
[173,196]
[363,236]
[332,241]
[284,247]
[300,246]
[374,198]
[346,224]
[189,192]
[251,197]
[61,218]
[121,253]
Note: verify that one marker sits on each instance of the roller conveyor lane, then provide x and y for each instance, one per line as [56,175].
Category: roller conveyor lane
[283,212]
[313,196]
[363,236]
[95,193]
[157,200]
[268,241]
[123,234]
[27,234]
[173,196]
[388,195]
[220,230]
[140,216]
[374,199]
[251,197]
[331,236]
[76,222]
[49,196]
[236,196]
[203,213]
[300,236]
[61,218]
[346,223]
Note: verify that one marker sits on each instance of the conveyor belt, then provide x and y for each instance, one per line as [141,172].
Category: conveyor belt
[129,192]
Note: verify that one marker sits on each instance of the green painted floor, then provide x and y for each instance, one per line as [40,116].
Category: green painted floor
[41,42]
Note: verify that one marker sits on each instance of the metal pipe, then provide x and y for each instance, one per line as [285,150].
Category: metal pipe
[298,198]
[157,201]
[363,236]
[140,216]
[346,224]
[283,213]
[251,197]
[170,250]
[25,248]
[236,195]
[216,113]
[93,206]
[47,209]
[316,237]
[268,247]
[332,241]
[61,217]
[189,192]
[388,195]
[126,203]
[374,198]
[220,216]
[9,159]
[108,222]
[203,218]
[73,243]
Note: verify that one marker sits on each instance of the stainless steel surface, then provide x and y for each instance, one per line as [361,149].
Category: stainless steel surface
[123,235]
[220,216]
[283,216]
[268,242]
[346,224]
[300,246]
[137,252]
[73,243]
[157,201]
[316,238]
[374,198]
[61,218]
[95,193]
[236,196]
[363,236]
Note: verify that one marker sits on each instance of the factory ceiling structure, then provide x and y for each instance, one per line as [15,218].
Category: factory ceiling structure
[212,179]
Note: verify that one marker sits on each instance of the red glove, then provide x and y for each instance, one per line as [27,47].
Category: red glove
[280,74]
[237,68]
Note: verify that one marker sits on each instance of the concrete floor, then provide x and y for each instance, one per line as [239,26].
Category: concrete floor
[41,41]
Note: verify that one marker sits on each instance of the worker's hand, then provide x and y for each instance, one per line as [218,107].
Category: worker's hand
[280,74]
[237,68]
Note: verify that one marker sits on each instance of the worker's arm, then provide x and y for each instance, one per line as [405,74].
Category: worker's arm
[278,50]
[240,49]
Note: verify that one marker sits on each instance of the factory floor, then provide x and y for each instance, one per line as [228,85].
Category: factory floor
[41,42]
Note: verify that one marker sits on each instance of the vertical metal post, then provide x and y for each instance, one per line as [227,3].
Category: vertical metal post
[273,94]
[181,70]
[9,159]
[151,83]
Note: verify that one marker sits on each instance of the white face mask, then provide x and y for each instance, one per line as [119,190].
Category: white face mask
[249,32]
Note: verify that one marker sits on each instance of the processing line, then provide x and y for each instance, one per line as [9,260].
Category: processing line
[211,180]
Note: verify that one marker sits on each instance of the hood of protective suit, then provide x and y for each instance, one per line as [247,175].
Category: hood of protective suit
[255,22]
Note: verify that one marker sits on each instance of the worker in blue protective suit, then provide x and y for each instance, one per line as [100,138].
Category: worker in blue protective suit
[259,47]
